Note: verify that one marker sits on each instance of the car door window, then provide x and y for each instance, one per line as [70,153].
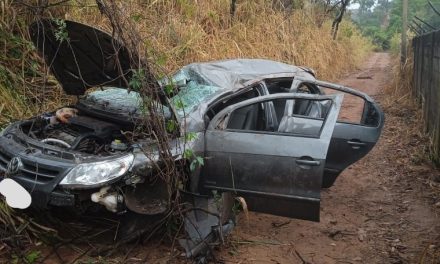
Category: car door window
[357,108]
[352,107]
[249,93]
[302,117]
[284,85]
[278,85]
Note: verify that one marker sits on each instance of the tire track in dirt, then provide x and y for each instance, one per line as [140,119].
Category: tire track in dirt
[370,215]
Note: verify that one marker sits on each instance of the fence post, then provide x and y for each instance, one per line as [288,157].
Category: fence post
[435,95]
[403,49]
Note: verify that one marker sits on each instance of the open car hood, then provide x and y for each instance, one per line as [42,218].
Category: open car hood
[81,56]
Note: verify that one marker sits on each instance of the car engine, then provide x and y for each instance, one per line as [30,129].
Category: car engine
[77,133]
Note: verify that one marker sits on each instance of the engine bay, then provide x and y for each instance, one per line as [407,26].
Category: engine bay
[67,128]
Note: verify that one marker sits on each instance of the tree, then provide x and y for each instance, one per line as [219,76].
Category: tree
[382,19]
[342,9]
[419,8]
[325,9]
[233,8]
[364,5]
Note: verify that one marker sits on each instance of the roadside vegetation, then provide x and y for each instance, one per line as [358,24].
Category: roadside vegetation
[381,20]
[25,88]
[177,33]
[401,105]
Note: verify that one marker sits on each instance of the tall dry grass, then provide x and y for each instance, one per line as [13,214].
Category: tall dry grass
[177,33]
[184,31]
[25,88]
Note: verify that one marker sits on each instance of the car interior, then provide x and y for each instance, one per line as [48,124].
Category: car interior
[216,108]
[305,117]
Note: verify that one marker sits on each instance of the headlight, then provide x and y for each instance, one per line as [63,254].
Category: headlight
[94,174]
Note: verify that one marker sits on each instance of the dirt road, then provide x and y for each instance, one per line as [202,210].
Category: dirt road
[378,211]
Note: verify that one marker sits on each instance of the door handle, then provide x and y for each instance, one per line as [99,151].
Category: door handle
[355,144]
[308,162]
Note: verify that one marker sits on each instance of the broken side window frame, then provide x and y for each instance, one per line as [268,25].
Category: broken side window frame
[369,104]
[225,114]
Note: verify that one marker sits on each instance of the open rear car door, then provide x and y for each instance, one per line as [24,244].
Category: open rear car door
[357,129]
[278,170]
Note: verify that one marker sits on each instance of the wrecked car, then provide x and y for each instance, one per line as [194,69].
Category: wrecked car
[267,131]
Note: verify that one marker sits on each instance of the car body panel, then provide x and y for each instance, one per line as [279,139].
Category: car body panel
[350,141]
[277,173]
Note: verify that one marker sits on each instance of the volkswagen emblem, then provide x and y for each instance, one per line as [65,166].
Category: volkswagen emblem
[14,166]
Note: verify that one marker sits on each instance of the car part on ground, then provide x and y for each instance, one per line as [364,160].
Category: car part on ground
[207,222]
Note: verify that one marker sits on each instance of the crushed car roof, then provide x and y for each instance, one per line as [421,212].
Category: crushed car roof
[235,73]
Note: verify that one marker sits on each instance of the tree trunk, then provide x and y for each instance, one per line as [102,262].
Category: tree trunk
[338,19]
[233,8]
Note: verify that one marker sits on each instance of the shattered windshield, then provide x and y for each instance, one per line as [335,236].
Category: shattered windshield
[120,99]
[193,90]
[117,96]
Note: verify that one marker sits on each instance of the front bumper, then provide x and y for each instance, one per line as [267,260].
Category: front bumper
[38,174]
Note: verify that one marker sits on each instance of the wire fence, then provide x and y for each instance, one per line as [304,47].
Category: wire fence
[426,86]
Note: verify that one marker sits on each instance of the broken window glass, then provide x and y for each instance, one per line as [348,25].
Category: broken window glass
[193,90]
[123,100]
[304,117]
